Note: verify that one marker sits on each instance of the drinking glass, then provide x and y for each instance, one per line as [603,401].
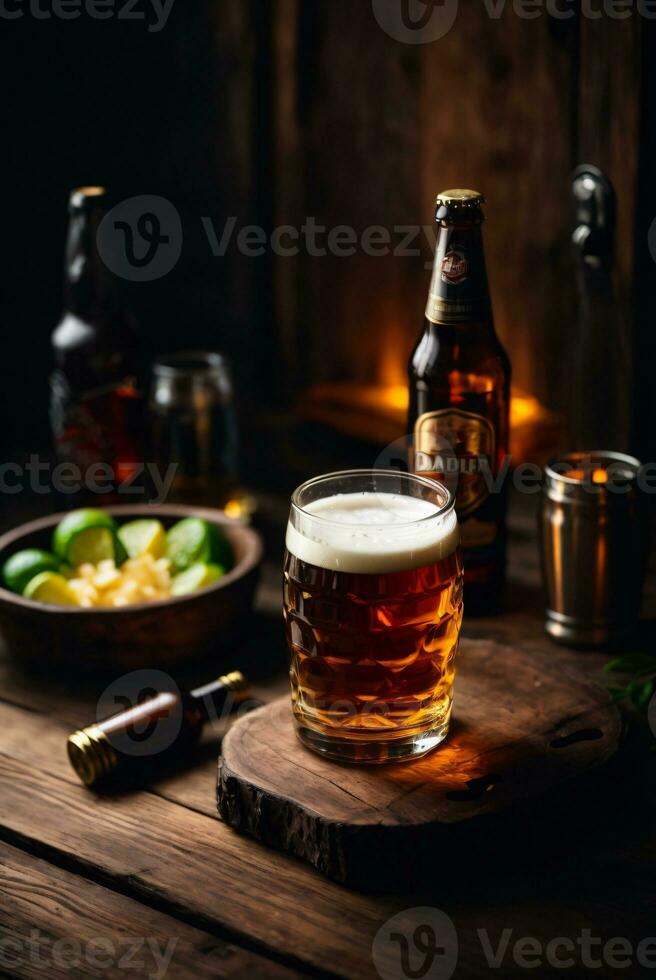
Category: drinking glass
[373,609]
[194,426]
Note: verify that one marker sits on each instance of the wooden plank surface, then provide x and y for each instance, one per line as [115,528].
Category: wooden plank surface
[59,924]
[178,859]
[165,851]
[188,864]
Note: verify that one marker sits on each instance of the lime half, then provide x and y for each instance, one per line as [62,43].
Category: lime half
[51,587]
[194,540]
[144,537]
[87,536]
[95,545]
[22,567]
[195,577]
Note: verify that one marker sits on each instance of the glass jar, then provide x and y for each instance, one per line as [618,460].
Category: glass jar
[194,427]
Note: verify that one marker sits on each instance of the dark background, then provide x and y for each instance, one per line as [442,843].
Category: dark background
[107,102]
[273,111]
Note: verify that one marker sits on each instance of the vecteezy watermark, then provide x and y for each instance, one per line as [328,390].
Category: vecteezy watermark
[422,944]
[147,955]
[425,21]
[419,943]
[41,477]
[140,239]
[150,733]
[153,13]
[318,241]
[416,21]
[153,734]
[443,461]
[566,952]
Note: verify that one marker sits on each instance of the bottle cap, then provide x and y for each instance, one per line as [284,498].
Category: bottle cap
[85,198]
[91,754]
[457,203]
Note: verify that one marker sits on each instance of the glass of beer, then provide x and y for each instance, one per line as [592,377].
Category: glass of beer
[373,608]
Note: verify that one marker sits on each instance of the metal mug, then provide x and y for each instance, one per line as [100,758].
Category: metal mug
[594,532]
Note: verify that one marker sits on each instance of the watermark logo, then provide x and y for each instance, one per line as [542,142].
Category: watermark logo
[38,954]
[143,736]
[141,239]
[452,464]
[153,13]
[422,944]
[417,944]
[425,21]
[39,476]
[416,21]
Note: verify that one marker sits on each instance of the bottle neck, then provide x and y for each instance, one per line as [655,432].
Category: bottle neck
[459,292]
[89,289]
[219,698]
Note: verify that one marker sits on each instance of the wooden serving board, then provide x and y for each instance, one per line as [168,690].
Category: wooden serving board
[526,732]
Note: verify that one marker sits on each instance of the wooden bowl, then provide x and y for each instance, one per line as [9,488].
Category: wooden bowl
[160,634]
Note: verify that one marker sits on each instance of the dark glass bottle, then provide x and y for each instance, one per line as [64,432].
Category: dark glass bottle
[460,395]
[96,406]
[159,728]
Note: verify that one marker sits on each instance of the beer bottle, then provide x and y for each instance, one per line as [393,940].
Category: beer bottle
[164,725]
[460,394]
[96,408]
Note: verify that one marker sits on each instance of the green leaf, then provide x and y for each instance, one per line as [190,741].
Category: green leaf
[640,692]
[633,663]
[647,693]
[617,693]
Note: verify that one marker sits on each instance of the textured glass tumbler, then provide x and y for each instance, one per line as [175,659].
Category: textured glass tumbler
[373,609]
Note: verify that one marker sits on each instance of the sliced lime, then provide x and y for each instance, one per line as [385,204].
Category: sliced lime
[195,540]
[195,577]
[22,567]
[76,522]
[144,537]
[51,587]
[95,545]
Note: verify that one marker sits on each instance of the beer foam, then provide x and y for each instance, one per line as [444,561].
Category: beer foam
[372,533]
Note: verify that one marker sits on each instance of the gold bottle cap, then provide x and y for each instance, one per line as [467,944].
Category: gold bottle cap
[234,681]
[460,198]
[91,754]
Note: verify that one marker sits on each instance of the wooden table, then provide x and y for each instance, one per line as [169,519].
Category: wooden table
[96,885]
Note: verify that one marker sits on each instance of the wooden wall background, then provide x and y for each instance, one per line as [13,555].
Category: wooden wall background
[270,111]
[367,130]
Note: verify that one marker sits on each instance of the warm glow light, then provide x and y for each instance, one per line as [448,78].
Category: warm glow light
[378,413]
[240,508]
[523,408]
[597,476]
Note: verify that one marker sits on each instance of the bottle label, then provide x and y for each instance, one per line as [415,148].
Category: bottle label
[458,291]
[454,266]
[458,449]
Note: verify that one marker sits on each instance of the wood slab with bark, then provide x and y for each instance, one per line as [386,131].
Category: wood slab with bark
[523,728]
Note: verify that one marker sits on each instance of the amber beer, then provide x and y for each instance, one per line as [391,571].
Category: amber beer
[373,607]
[460,394]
